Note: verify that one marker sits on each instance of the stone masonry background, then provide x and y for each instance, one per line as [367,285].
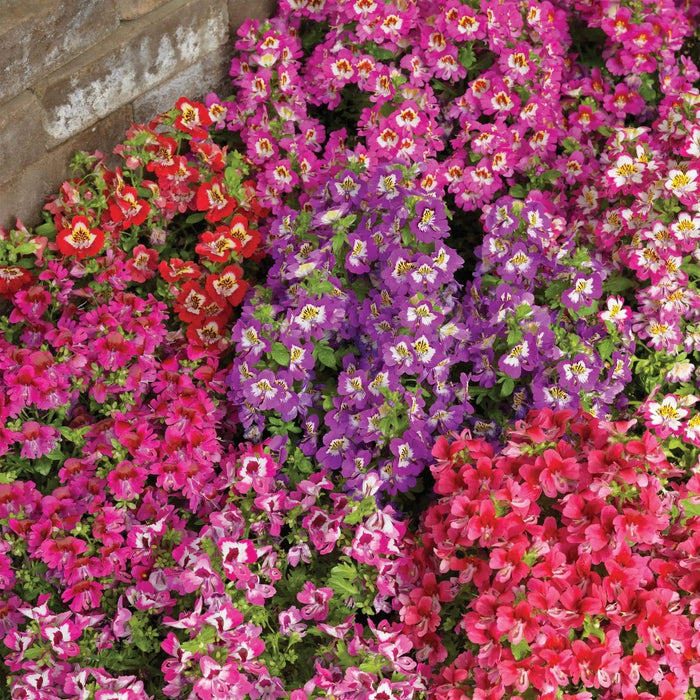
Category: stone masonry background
[74,74]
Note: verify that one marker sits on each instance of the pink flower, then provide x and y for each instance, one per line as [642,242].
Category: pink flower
[290,622]
[316,601]
[235,555]
[37,440]
[84,595]
[61,636]
[126,480]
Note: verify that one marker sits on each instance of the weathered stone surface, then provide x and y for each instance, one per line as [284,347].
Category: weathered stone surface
[133,9]
[25,194]
[22,138]
[209,74]
[38,36]
[131,61]
[240,10]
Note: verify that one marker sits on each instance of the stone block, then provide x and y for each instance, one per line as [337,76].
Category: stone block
[25,194]
[130,62]
[240,10]
[133,9]
[210,74]
[38,36]
[22,138]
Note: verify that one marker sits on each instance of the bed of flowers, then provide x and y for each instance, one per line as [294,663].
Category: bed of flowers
[375,379]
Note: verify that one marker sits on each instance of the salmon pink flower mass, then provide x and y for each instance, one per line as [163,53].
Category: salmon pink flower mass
[373,377]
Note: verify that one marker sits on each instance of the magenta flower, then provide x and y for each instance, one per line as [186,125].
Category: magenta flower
[127,480]
[85,595]
[236,554]
[290,621]
[316,602]
[36,440]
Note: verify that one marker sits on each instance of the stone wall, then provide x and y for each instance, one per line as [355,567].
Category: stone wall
[75,73]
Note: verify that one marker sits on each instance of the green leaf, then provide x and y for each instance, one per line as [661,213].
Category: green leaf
[339,240]
[520,650]
[325,356]
[74,435]
[280,354]
[605,348]
[25,248]
[591,628]
[45,229]
[691,269]
[518,191]
[612,285]
[466,56]
[570,145]
[361,510]
[42,466]
[507,386]
[200,642]
[691,509]
[551,175]
[195,218]
[342,580]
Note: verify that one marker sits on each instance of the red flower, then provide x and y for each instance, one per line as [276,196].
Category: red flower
[164,151]
[228,284]
[247,239]
[175,270]
[80,240]
[207,334]
[126,208]
[193,118]
[212,198]
[218,245]
[13,278]
[190,303]
[211,155]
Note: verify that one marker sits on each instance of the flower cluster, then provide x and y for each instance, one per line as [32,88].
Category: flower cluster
[131,223]
[647,222]
[489,96]
[350,344]
[227,364]
[539,334]
[562,565]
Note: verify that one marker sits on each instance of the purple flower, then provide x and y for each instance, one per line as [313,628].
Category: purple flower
[425,276]
[520,357]
[522,264]
[577,375]
[399,355]
[586,288]
[363,251]
[346,187]
[352,386]
[336,450]
[500,219]
[552,396]
[537,223]
[430,222]
[301,361]
[261,391]
[397,272]
[249,341]
[420,314]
